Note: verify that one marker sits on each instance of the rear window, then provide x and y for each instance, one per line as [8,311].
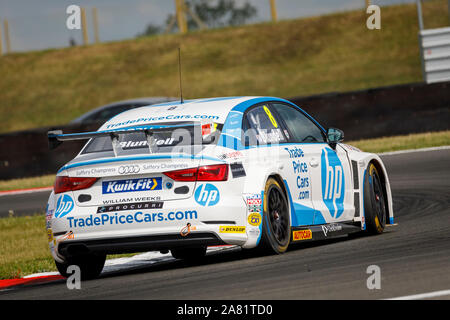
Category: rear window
[162,140]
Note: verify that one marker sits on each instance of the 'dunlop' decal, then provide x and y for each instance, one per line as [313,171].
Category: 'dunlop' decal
[333,182]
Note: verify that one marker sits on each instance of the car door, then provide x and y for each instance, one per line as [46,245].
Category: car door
[291,158]
[328,169]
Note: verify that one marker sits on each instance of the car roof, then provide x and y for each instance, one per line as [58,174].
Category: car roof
[214,109]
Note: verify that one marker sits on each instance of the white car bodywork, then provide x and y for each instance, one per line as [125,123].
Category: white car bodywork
[133,199]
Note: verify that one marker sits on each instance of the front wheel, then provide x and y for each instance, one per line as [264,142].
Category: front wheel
[276,224]
[374,201]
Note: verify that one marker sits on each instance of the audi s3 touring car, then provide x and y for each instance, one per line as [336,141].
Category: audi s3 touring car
[256,172]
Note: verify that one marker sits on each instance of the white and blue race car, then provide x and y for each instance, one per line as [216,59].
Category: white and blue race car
[245,171]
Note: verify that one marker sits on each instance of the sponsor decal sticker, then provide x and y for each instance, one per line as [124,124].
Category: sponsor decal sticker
[231,229]
[254,219]
[64,206]
[130,200]
[254,203]
[130,206]
[161,118]
[333,182]
[138,217]
[298,235]
[129,169]
[207,195]
[237,170]
[132,185]
[95,171]
[234,154]
[331,228]
[50,235]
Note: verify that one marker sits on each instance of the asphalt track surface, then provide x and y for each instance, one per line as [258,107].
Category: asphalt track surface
[413,256]
[24,203]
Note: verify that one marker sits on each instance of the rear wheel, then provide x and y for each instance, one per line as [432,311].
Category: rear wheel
[374,201]
[194,253]
[91,265]
[276,222]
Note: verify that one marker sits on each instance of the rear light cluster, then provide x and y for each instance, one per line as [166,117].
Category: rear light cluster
[217,172]
[64,184]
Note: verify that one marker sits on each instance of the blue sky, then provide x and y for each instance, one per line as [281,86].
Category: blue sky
[41,24]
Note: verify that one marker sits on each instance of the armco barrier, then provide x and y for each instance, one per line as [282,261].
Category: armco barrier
[379,112]
[383,112]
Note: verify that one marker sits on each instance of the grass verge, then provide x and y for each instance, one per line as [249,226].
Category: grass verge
[27,183]
[24,247]
[406,142]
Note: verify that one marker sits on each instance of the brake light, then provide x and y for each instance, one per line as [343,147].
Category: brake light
[64,184]
[213,173]
[205,173]
[183,175]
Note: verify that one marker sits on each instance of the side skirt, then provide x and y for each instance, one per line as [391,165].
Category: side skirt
[323,231]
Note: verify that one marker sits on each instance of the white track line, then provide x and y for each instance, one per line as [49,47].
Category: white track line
[414,150]
[427,295]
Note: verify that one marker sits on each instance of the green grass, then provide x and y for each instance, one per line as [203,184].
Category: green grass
[290,58]
[24,247]
[411,141]
[26,183]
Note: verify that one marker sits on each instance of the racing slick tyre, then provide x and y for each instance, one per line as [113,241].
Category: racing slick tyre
[91,265]
[374,201]
[276,224]
[193,253]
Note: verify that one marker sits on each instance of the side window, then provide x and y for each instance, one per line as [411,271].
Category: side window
[303,130]
[261,127]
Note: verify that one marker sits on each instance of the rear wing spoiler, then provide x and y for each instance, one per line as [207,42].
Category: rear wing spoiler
[56,137]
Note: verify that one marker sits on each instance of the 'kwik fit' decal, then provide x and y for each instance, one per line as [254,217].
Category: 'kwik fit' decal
[132,185]
[63,206]
[207,195]
[333,182]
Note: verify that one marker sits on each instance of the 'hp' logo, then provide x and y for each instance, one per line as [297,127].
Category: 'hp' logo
[63,206]
[207,195]
[333,182]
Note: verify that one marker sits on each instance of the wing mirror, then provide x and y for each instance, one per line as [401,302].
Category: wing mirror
[334,136]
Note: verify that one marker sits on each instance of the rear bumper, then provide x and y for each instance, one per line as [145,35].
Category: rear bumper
[140,243]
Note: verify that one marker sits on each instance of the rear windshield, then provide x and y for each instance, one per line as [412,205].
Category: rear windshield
[163,140]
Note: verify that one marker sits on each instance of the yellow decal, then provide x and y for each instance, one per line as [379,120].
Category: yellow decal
[254,219]
[269,114]
[155,183]
[301,235]
[231,229]
[50,235]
